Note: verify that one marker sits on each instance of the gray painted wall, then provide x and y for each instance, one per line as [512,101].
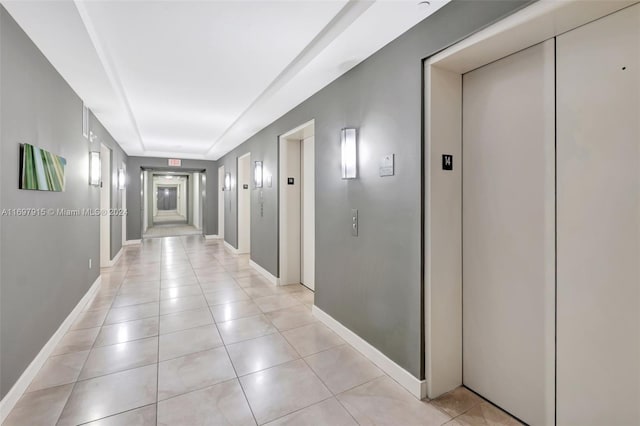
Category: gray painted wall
[44,268]
[371,283]
[134,200]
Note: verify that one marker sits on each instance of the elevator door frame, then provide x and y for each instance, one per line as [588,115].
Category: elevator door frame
[442,130]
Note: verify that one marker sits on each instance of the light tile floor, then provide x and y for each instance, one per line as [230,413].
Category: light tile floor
[184,333]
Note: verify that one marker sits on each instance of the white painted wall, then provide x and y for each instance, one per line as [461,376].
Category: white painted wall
[244,203]
[599,222]
[105,205]
[308,234]
[221,202]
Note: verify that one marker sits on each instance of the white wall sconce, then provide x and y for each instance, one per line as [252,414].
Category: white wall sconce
[95,167]
[227,181]
[257,174]
[348,139]
[122,179]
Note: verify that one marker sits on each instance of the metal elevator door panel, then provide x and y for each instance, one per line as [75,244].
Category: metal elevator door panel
[167,198]
[598,77]
[508,215]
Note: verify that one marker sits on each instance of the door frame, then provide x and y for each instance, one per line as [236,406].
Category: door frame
[221,202]
[241,249]
[442,133]
[123,196]
[105,206]
[299,133]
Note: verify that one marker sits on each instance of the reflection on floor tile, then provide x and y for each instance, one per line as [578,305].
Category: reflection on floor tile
[280,390]
[42,407]
[486,414]
[59,370]
[184,342]
[193,371]
[342,368]
[145,416]
[384,402]
[245,328]
[312,339]
[457,402]
[175,321]
[123,356]
[104,396]
[222,404]
[328,412]
[260,353]
[127,331]
[76,341]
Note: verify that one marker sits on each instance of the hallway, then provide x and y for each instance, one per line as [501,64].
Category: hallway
[182,330]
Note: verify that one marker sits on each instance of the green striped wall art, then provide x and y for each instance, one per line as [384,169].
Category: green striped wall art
[41,170]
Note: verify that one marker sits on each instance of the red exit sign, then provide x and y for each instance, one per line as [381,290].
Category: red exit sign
[174,162]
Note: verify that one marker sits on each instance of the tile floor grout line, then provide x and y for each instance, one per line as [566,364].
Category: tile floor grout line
[84,364]
[224,345]
[158,353]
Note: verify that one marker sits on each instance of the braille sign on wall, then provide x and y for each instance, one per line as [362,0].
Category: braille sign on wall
[447,162]
[290,181]
[386,165]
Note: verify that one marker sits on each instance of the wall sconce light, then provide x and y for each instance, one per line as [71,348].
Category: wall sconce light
[227,181]
[94,168]
[257,174]
[349,154]
[122,179]
[92,136]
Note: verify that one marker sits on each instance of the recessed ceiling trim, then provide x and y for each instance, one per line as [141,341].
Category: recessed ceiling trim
[343,19]
[108,66]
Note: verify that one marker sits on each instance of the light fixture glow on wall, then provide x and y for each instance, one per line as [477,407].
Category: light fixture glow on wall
[257,174]
[349,154]
[122,179]
[94,168]
[227,181]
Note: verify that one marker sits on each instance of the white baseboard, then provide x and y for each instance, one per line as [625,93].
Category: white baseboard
[132,242]
[20,386]
[212,237]
[407,380]
[268,275]
[231,248]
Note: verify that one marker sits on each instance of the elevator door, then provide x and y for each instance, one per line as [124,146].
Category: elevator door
[167,198]
[509,233]
[598,75]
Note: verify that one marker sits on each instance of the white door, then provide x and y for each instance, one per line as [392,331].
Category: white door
[509,233]
[105,205]
[598,75]
[308,233]
[244,204]
[221,202]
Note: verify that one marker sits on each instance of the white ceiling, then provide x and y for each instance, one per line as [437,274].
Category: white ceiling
[194,79]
